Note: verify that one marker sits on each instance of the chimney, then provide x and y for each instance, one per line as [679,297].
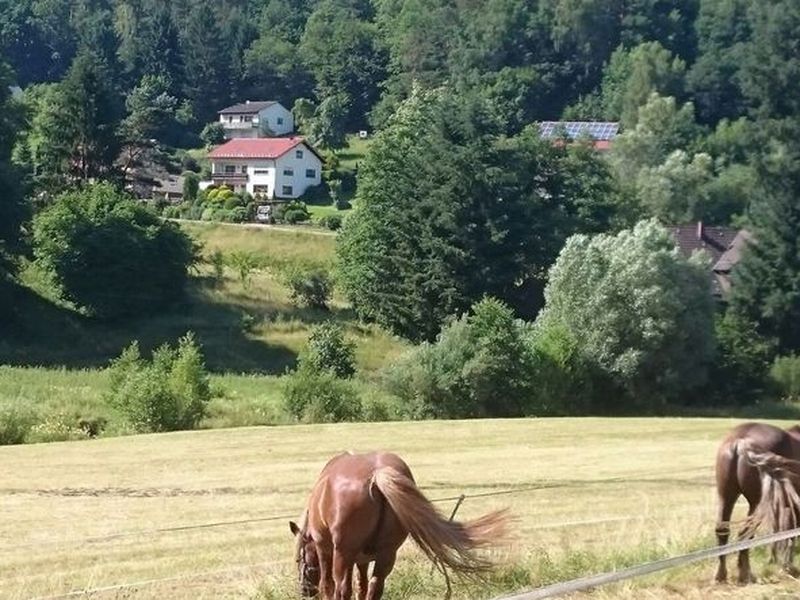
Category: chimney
[700,230]
[247,101]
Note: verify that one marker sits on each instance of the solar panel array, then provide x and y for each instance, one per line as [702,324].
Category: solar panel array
[598,130]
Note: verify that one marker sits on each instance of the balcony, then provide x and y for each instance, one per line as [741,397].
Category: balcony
[232,178]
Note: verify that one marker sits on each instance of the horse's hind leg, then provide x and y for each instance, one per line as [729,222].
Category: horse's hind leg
[723,530]
[745,572]
[363,580]
[383,566]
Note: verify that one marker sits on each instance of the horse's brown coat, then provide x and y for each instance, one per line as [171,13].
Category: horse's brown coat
[749,452]
[361,510]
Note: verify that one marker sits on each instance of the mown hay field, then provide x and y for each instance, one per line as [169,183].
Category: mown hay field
[588,494]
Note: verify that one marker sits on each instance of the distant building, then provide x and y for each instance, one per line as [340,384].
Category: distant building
[169,189]
[723,244]
[282,168]
[256,120]
[601,133]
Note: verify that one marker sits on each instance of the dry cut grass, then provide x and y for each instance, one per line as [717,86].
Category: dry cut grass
[589,495]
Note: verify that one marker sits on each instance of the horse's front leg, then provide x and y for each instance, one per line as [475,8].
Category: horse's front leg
[383,566]
[327,588]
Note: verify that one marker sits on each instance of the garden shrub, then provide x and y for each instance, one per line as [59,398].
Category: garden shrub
[311,287]
[480,365]
[15,423]
[784,375]
[168,393]
[328,350]
[319,396]
[293,212]
[111,255]
[57,428]
[332,222]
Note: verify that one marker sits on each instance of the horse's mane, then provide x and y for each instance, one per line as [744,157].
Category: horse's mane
[302,524]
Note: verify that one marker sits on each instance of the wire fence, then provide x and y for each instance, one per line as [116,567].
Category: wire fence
[285,516]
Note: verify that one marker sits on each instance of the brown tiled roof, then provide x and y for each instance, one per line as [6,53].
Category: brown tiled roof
[247,108]
[723,244]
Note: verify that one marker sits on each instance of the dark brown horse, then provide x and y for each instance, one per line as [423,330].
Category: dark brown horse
[361,510]
[759,462]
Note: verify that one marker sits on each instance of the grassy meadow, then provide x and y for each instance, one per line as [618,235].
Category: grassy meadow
[250,331]
[588,495]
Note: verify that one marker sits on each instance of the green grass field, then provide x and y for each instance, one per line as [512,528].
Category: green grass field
[251,334]
[609,493]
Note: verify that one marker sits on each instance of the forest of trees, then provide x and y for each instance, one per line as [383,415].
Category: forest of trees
[707,93]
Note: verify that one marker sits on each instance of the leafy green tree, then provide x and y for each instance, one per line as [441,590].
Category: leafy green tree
[766,283]
[328,350]
[213,134]
[445,216]
[677,191]
[341,50]
[109,254]
[479,366]
[770,75]
[207,61]
[12,205]
[636,310]
[191,186]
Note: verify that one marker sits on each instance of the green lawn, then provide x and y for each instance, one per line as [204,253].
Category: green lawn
[588,495]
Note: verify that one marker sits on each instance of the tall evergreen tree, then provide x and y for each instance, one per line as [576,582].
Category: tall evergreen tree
[766,286]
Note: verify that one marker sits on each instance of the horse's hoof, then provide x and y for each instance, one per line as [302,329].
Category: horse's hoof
[792,571]
[746,579]
[721,578]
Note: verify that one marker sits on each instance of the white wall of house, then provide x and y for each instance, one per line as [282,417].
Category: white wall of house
[287,177]
[276,119]
[273,121]
[296,171]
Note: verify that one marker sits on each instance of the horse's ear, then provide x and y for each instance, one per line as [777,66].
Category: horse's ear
[294,528]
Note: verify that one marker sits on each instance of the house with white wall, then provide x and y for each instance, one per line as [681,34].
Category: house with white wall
[273,168]
[256,120]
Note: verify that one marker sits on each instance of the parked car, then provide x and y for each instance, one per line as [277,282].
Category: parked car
[264,214]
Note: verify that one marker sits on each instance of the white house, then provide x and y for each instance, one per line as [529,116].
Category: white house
[281,168]
[256,120]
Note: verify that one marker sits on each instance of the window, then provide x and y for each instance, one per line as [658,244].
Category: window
[230,119]
[261,189]
[244,169]
[260,171]
[311,173]
[298,154]
[288,172]
[247,119]
[287,190]
[280,120]
[230,169]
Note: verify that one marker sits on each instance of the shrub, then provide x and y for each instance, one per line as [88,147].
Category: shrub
[189,163]
[217,262]
[191,186]
[15,423]
[244,263]
[784,376]
[332,221]
[111,255]
[327,350]
[313,396]
[292,212]
[166,394]
[232,201]
[311,287]
[480,365]
[57,428]
[213,134]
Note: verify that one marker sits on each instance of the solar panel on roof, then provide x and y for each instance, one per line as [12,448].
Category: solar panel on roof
[598,130]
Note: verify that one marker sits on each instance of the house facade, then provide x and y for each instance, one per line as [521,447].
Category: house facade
[256,120]
[272,168]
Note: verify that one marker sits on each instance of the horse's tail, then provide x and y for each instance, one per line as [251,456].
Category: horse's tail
[452,543]
[779,507]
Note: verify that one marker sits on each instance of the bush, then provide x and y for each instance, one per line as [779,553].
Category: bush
[310,287]
[15,423]
[189,163]
[166,394]
[213,134]
[292,212]
[327,350]
[479,366]
[784,375]
[111,255]
[191,186]
[332,222]
[742,361]
[57,428]
[312,396]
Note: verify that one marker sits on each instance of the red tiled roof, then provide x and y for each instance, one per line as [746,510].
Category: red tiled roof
[256,147]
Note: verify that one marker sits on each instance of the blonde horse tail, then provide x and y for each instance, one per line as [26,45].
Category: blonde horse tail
[779,507]
[451,543]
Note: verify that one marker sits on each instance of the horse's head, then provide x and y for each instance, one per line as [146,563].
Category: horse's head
[305,555]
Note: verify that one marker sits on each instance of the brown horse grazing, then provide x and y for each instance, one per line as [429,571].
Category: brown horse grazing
[758,461]
[361,510]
